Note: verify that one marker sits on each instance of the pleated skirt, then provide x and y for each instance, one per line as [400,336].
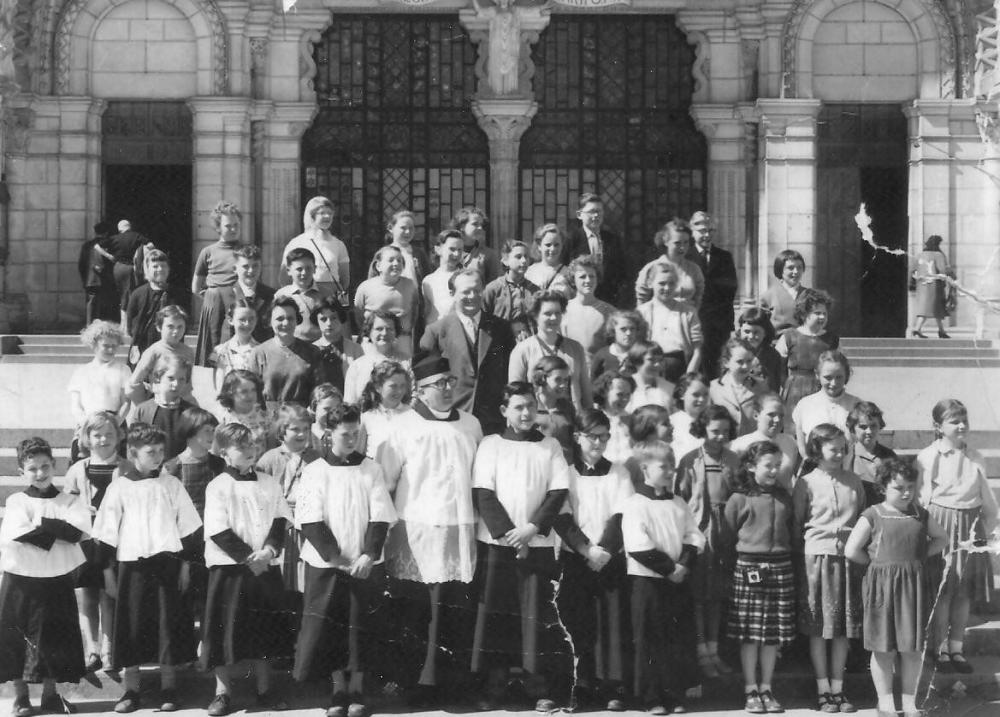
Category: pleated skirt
[764,611]
[897,607]
[957,568]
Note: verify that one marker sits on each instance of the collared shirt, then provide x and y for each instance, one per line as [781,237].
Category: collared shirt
[955,478]
[596,245]
[505,299]
[471,325]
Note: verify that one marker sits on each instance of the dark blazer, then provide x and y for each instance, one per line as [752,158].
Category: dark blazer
[720,286]
[615,284]
[261,303]
[480,382]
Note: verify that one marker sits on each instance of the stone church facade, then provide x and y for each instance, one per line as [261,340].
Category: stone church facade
[780,118]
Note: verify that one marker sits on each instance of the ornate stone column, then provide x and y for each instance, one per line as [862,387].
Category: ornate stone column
[787,180]
[279,143]
[504,105]
[504,122]
[221,157]
[988,283]
[729,163]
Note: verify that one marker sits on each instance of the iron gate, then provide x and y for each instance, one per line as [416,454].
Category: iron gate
[394,129]
[614,94]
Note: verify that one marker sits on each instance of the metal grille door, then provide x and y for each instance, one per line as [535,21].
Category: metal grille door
[394,130]
[614,95]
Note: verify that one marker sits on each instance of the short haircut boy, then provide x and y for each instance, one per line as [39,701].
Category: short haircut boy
[234,435]
[171,312]
[31,448]
[155,256]
[866,410]
[300,254]
[517,388]
[512,244]
[141,435]
[653,449]
[250,252]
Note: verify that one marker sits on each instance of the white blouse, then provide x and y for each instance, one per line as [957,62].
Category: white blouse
[346,498]
[146,516]
[22,514]
[520,473]
[247,507]
[102,386]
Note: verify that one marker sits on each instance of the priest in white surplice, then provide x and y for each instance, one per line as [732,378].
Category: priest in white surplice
[431,551]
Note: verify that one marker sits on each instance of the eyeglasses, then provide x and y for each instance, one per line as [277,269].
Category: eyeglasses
[597,437]
[444,383]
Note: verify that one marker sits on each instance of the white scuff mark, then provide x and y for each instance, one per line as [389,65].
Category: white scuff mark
[864,223]
[287,5]
[556,584]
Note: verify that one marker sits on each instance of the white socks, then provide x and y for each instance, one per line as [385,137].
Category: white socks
[886,703]
[836,686]
[823,686]
[909,703]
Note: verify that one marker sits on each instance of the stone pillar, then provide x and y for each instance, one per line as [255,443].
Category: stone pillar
[53,167]
[954,170]
[729,164]
[787,181]
[505,102]
[222,146]
[282,203]
[504,121]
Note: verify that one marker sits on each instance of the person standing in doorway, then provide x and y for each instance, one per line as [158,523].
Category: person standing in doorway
[96,266]
[716,310]
[123,247]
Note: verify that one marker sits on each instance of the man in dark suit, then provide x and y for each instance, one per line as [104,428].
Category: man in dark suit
[716,311]
[95,267]
[477,346]
[587,237]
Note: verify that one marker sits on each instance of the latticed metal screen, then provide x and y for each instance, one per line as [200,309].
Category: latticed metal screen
[394,129]
[613,95]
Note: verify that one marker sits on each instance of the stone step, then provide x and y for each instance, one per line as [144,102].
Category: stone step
[903,362]
[852,342]
[942,354]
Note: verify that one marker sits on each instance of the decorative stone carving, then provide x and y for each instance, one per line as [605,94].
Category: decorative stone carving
[750,56]
[307,65]
[206,8]
[945,36]
[504,34]
[8,83]
[989,128]
[258,52]
[701,70]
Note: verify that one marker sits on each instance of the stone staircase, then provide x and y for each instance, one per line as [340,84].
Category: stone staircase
[904,376]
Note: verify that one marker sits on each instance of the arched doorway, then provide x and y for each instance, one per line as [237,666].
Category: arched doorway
[146,161]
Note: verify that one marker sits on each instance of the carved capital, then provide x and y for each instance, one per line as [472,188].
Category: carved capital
[789,118]
[258,51]
[504,121]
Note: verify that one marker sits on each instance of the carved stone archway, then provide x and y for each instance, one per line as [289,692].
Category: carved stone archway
[73,25]
[936,40]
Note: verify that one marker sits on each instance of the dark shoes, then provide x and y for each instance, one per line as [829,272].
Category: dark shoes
[56,704]
[220,706]
[271,701]
[844,704]
[943,335]
[960,665]
[827,704]
[94,663]
[129,702]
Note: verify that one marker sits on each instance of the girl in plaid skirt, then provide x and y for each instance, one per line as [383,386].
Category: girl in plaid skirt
[762,614]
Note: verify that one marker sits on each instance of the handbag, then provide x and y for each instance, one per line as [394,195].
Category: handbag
[338,291]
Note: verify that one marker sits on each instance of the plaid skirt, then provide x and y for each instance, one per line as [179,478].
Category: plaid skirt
[763,611]
[957,568]
[830,603]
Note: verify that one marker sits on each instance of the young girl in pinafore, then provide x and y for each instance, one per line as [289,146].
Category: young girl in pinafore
[894,539]
[827,502]
[759,522]
[954,490]
[706,477]
[802,346]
